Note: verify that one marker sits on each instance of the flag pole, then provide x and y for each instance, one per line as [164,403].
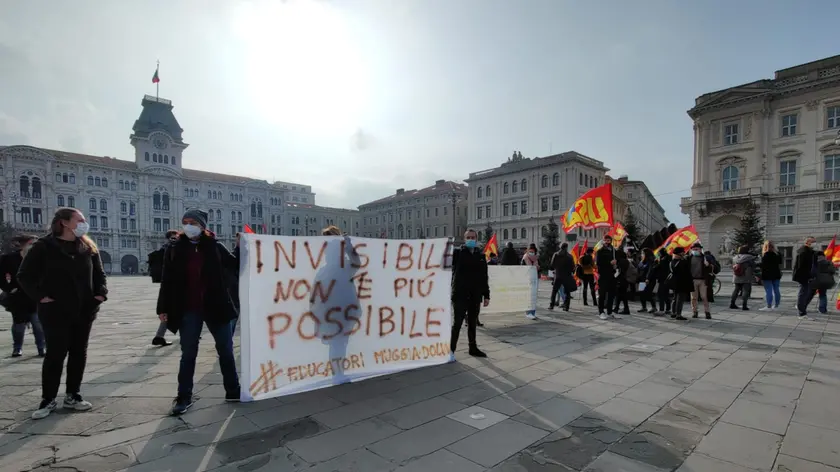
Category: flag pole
[157,84]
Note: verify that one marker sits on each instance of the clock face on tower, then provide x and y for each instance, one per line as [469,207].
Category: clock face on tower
[160,143]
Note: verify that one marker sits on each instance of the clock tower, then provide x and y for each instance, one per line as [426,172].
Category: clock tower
[157,137]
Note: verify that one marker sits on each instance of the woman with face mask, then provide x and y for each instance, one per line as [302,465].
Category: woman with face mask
[195,290]
[63,272]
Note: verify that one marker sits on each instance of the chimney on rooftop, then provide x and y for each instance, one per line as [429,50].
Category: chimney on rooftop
[400,191]
[439,182]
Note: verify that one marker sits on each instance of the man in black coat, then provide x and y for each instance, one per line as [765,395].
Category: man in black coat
[470,289]
[563,266]
[606,261]
[156,272]
[804,270]
[16,301]
[195,290]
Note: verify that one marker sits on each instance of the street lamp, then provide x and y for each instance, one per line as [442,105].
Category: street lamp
[306,223]
[454,198]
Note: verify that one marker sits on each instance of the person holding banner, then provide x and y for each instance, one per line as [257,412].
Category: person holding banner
[470,289]
[606,261]
[195,290]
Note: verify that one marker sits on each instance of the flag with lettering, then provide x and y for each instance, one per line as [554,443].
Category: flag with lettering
[683,237]
[618,234]
[492,247]
[593,209]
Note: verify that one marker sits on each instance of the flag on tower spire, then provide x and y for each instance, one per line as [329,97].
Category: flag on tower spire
[156,78]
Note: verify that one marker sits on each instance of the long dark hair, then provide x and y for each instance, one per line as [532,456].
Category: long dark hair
[66,214]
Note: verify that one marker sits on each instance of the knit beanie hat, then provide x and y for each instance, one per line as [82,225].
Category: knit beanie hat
[197,215]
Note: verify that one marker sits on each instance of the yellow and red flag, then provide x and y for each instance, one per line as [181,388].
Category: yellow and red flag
[583,248]
[684,237]
[575,252]
[248,229]
[593,209]
[831,249]
[618,234]
[492,247]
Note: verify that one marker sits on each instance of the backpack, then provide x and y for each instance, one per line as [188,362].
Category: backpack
[738,270]
[632,273]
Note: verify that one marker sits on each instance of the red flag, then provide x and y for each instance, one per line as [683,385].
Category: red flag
[155,78]
[593,209]
[492,247]
[831,249]
[248,229]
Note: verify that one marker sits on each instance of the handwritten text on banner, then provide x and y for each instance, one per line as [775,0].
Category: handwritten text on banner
[321,311]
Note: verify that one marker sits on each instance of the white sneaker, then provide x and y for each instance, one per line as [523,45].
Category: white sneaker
[452,357]
[603,316]
[44,410]
[766,308]
[74,401]
[615,317]
[531,316]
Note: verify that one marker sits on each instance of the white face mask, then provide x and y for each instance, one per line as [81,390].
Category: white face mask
[192,231]
[81,229]
[531,253]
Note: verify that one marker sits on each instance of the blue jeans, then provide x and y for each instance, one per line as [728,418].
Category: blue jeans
[190,331]
[771,289]
[19,332]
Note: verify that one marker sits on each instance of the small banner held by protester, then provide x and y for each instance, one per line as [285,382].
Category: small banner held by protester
[320,311]
[512,289]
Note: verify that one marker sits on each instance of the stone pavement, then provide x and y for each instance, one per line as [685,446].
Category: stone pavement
[746,391]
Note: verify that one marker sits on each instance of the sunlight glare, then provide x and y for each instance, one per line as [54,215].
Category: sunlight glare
[303,69]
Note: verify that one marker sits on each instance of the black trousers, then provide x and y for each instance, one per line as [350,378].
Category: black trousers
[647,295]
[67,337]
[464,309]
[555,288]
[662,295]
[621,294]
[606,296]
[679,301]
[588,283]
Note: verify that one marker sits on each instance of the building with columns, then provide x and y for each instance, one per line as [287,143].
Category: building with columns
[131,203]
[518,198]
[437,211]
[773,142]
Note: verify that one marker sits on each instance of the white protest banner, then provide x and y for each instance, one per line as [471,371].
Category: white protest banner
[321,311]
[512,289]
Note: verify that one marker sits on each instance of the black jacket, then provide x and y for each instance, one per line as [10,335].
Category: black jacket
[510,257]
[805,265]
[156,264]
[216,274]
[603,260]
[771,266]
[469,275]
[72,280]
[16,301]
[564,270]
[681,280]
[825,275]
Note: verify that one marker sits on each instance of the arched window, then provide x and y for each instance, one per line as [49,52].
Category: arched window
[154,157]
[210,194]
[58,177]
[98,182]
[259,210]
[132,208]
[24,186]
[239,216]
[173,160]
[133,186]
[156,201]
[121,185]
[210,215]
[523,234]
[487,191]
[103,205]
[93,204]
[165,202]
[147,157]
[65,178]
[166,159]
[478,192]
[123,207]
[505,188]
[524,185]
[730,178]
[59,200]
[544,181]
[231,197]
[253,209]
[515,186]
[544,230]
[72,178]
[71,201]
[104,182]
[505,234]
[90,180]
[555,179]
[514,233]
[219,215]
[232,216]
[36,187]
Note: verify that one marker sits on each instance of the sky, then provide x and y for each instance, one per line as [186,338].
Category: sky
[360,97]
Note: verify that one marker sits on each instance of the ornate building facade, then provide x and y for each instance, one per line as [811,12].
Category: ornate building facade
[437,211]
[131,204]
[773,142]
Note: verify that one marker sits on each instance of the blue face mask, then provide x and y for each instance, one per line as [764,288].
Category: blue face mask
[470,243]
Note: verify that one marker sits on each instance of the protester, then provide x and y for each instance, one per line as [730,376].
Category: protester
[663,272]
[63,271]
[823,282]
[509,255]
[587,276]
[771,275]
[530,259]
[494,259]
[627,274]
[195,291]
[470,289]
[710,292]
[701,274]
[564,279]
[16,301]
[156,273]
[606,261]
[681,282]
[804,269]
[647,274]
[743,267]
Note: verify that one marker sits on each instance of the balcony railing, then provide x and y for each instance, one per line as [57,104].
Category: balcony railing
[732,194]
[787,189]
[685,201]
[831,185]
